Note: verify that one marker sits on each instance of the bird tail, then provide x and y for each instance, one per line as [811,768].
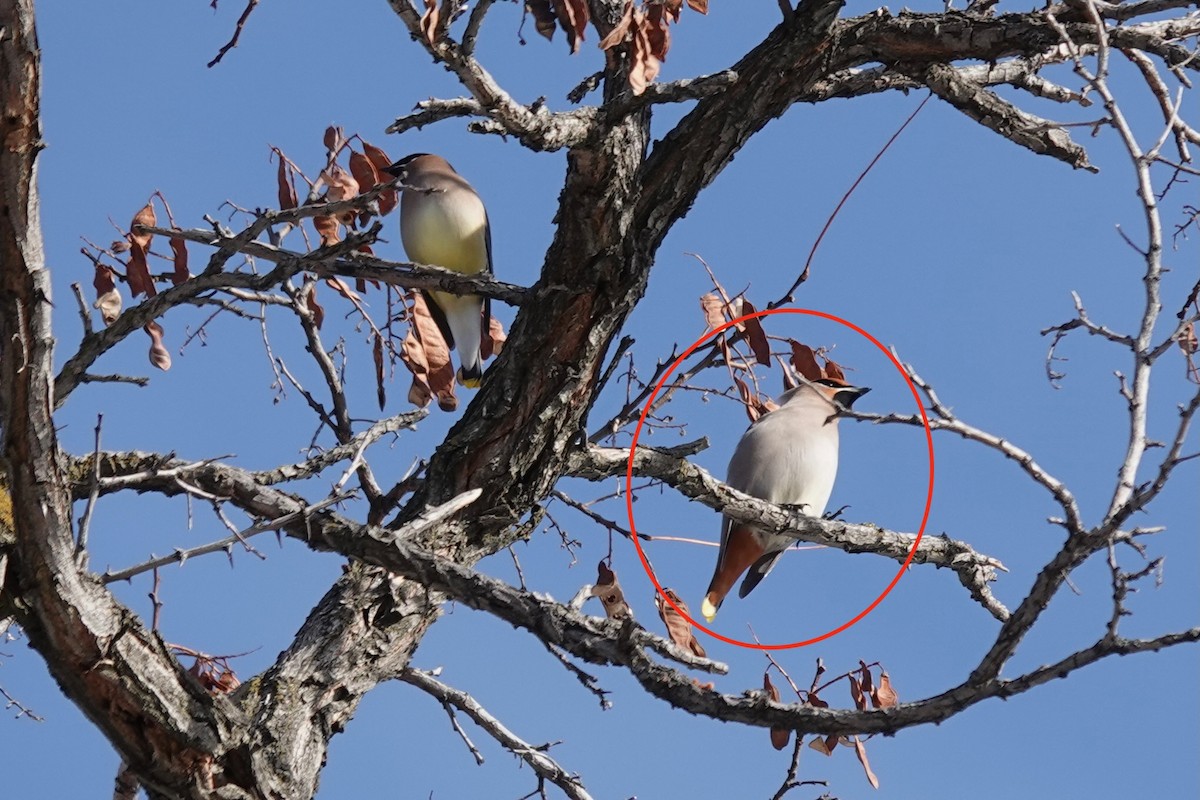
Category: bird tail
[740,547]
[760,570]
[470,376]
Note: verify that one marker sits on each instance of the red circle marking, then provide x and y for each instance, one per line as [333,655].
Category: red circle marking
[638,431]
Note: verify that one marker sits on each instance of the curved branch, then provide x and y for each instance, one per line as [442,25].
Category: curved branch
[975,570]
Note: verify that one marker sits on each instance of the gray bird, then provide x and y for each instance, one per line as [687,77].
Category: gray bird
[789,457]
[443,223]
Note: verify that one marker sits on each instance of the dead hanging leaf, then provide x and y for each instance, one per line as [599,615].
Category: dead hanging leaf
[610,594]
[620,30]
[491,343]
[865,681]
[827,744]
[119,246]
[419,393]
[673,7]
[137,272]
[363,171]
[377,354]
[143,217]
[342,185]
[860,750]
[698,5]
[108,299]
[328,229]
[1187,339]
[573,19]
[426,355]
[314,308]
[779,736]
[360,284]
[334,137]
[884,696]
[380,160]
[287,190]
[340,286]
[756,335]
[834,370]
[856,694]
[429,21]
[714,310]
[657,32]
[159,356]
[678,628]
[644,66]
[755,406]
[544,19]
[179,248]
[805,361]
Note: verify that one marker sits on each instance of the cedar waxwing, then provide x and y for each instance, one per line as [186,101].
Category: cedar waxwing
[789,457]
[443,223]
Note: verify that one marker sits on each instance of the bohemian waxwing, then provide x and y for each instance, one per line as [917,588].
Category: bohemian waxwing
[443,223]
[789,457]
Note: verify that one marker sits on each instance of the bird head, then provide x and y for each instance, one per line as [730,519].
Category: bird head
[830,390]
[416,162]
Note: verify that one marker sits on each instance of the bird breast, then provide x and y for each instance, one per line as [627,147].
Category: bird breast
[784,460]
[445,228]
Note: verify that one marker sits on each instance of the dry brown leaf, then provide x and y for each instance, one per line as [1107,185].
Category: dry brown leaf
[429,21]
[821,745]
[610,594]
[756,335]
[143,217]
[573,19]
[714,310]
[137,272]
[334,136]
[179,248]
[340,286]
[657,31]
[377,354]
[492,342]
[805,361]
[885,695]
[1188,341]
[544,19]
[159,356]
[328,229]
[619,31]
[644,66]
[119,246]
[287,190]
[435,355]
[109,304]
[419,394]
[860,750]
[365,174]
[380,160]
[779,736]
[865,681]
[856,694]
[834,370]
[108,299]
[314,308]
[673,7]
[342,185]
[698,5]
[679,629]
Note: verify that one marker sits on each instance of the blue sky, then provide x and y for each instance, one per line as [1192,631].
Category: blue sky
[956,250]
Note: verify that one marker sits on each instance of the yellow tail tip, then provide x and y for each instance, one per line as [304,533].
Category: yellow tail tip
[470,380]
[708,609]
